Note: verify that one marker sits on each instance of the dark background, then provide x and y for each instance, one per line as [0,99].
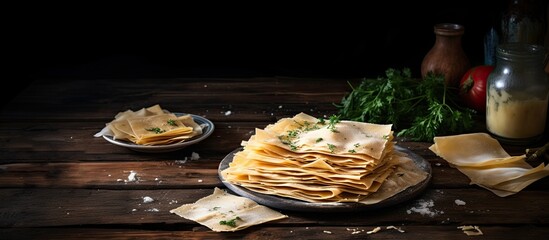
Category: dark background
[99,40]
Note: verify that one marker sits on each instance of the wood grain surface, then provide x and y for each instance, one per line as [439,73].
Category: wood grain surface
[57,181]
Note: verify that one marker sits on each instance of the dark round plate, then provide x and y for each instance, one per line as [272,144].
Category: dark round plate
[284,203]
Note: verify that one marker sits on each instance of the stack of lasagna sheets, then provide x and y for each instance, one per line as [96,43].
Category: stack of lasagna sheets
[317,160]
[151,126]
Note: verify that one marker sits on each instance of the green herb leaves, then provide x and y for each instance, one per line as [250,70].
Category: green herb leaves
[331,147]
[381,100]
[418,108]
[289,139]
[305,126]
[334,119]
[230,223]
[156,130]
[172,122]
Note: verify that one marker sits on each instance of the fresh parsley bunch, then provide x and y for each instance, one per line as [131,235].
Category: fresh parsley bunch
[419,109]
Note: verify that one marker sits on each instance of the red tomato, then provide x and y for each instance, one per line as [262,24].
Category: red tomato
[472,87]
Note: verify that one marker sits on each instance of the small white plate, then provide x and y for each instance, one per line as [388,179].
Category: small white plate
[207,130]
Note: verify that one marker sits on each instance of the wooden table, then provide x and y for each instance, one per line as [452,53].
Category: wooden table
[59,182]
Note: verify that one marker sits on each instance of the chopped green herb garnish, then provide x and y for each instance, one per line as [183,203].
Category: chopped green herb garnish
[331,147]
[155,130]
[357,145]
[306,126]
[319,139]
[293,133]
[321,121]
[287,140]
[172,122]
[230,223]
[386,137]
[215,208]
[309,126]
[334,119]
[352,151]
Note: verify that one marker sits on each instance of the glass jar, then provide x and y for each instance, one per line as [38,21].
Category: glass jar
[517,94]
[524,21]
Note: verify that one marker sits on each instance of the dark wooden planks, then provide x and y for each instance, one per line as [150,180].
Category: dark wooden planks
[69,207]
[271,232]
[162,174]
[102,99]
[59,182]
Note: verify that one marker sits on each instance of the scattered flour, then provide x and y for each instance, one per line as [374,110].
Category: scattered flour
[152,210]
[459,202]
[424,208]
[132,177]
[194,156]
[227,113]
[181,161]
[148,199]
